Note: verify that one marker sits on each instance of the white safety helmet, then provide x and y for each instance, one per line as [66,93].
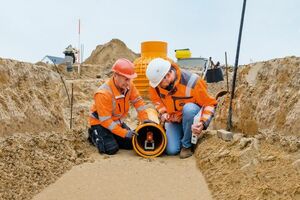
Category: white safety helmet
[156,71]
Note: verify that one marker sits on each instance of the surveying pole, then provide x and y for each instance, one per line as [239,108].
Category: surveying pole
[79,47]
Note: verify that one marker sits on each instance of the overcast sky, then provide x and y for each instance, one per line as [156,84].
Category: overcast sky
[31,29]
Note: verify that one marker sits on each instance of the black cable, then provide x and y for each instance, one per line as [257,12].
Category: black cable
[229,121]
[62,80]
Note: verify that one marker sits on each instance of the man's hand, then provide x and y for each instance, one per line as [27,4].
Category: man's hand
[170,118]
[164,117]
[175,118]
[197,128]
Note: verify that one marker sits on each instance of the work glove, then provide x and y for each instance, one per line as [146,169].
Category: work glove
[130,134]
[148,121]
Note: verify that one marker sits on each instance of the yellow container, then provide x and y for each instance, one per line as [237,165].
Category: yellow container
[149,51]
[182,53]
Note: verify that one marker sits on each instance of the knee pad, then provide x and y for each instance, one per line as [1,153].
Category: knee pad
[105,142]
[111,146]
[112,151]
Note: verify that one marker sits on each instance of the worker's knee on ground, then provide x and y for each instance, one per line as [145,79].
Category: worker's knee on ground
[111,147]
[190,110]
[112,151]
[172,150]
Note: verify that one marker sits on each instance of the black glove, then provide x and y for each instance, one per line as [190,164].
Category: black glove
[148,121]
[130,134]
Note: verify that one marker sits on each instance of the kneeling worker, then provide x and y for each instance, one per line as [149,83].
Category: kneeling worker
[183,103]
[108,132]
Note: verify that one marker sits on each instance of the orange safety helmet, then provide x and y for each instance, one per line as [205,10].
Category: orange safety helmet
[125,68]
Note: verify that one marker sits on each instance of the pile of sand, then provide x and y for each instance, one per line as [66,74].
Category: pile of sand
[35,146]
[250,168]
[266,106]
[108,53]
[31,98]
[267,98]
[99,63]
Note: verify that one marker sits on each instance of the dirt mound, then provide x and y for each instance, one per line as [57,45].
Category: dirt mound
[108,53]
[31,98]
[28,163]
[99,63]
[250,168]
[267,98]
[266,106]
[35,144]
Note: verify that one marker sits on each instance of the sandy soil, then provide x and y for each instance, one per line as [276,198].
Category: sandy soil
[31,98]
[250,168]
[108,53]
[128,176]
[29,162]
[267,99]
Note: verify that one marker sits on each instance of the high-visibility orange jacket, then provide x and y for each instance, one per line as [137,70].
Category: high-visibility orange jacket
[188,88]
[111,107]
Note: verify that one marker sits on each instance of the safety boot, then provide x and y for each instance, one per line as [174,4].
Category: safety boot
[185,152]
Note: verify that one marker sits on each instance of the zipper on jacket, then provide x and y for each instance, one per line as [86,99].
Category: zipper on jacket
[124,104]
[119,107]
[126,92]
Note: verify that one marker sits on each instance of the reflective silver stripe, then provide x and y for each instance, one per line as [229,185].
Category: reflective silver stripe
[198,116]
[118,122]
[92,116]
[120,96]
[102,119]
[112,126]
[206,120]
[141,108]
[209,108]
[136,99]
[206,116]
[114,104]
[191,82]
[106,87]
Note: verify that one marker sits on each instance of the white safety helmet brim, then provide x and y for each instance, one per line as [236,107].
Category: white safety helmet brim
[156,71]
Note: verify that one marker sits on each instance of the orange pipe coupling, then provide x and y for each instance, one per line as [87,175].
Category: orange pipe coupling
[152,139]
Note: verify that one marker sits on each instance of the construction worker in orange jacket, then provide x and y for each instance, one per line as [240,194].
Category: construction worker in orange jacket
[108,132]
[182,101]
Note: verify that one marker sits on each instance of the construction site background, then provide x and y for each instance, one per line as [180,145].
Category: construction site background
[261,162]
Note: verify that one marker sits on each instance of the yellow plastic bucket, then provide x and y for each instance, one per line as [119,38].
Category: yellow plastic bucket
[182,53]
